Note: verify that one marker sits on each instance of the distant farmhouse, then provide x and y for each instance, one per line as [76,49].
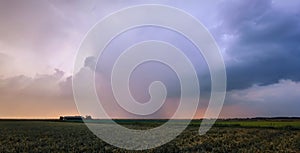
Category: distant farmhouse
[74,118]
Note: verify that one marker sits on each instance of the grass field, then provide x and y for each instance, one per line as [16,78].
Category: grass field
[50,136]
[269,124]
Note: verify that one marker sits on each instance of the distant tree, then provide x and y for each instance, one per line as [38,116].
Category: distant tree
[88,117]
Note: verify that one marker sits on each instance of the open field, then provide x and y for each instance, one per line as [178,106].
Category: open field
[245,123]
[53,136]
[263,124]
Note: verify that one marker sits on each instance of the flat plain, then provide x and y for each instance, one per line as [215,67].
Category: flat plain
[225,136]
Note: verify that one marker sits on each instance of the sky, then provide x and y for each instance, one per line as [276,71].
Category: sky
[259,42]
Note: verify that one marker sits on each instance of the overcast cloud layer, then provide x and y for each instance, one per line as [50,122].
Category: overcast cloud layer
[259,41]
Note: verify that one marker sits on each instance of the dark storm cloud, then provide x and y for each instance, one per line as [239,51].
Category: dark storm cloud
[261,42]
[90,62]
[265,46]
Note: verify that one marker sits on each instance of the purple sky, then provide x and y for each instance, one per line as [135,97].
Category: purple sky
[259,41]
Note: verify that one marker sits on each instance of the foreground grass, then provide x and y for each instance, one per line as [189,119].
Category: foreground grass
[42,136]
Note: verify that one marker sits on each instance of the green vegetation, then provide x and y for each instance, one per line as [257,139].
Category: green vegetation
[52,136]
[266,124]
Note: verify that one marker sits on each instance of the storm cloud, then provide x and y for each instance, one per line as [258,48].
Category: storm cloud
[259,41]
[263,43]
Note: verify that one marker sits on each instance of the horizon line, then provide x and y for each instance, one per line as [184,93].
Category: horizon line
[57,118]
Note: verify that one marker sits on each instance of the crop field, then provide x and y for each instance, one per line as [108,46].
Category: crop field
[270,124]
[53,136]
